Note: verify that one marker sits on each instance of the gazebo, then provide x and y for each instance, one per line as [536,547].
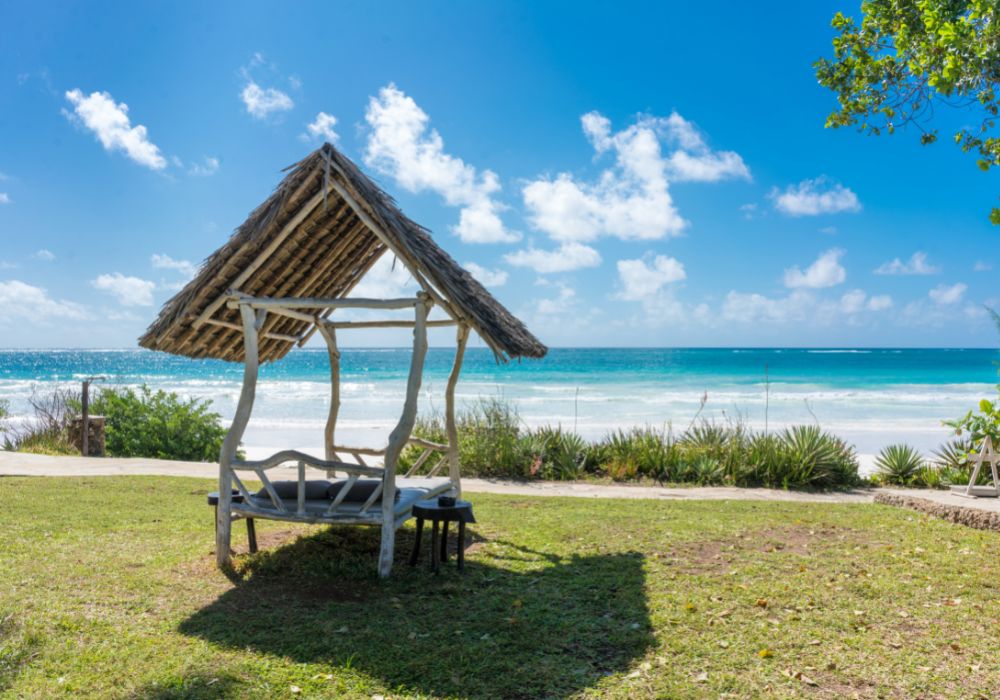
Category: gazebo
[277,281]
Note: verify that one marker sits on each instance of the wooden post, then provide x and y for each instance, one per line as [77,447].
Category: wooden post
[449,411]
[330,336]
[224,518]
[85,419]
[401,434]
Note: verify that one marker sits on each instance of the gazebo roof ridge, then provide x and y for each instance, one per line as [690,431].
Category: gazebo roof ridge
[321,230]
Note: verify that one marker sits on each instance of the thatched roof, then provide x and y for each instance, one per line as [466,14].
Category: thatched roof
[306,240]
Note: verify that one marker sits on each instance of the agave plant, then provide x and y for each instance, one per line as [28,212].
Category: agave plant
[954,453]
[898,464]
[816,458]
[707,471]
[559,454]
[707,436]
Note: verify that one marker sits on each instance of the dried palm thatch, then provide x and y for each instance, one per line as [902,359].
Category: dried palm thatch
[319,233]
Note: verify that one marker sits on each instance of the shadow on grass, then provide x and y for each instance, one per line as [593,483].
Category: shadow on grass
[519,623]
[191,687]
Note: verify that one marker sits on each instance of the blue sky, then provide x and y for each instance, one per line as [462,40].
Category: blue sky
[626,174]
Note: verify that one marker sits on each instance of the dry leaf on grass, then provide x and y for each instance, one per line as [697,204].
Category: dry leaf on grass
[798,676]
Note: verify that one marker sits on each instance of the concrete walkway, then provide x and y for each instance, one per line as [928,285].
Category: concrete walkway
[18,464]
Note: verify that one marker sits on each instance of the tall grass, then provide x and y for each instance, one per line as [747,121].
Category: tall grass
[47,431]
[494,442]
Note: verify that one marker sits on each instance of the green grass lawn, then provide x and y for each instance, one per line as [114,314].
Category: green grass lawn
[108,589]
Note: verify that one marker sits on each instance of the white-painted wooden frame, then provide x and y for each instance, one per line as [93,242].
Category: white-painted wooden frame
[253,312]
[986,455]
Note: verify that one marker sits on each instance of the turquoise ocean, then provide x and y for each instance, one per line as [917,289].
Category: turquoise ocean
[871,397]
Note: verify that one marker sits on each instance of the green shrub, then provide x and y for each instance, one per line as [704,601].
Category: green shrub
[930,476]
[161,425]
[898,465]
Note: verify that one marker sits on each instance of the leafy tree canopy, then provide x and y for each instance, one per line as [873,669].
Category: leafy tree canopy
[908,56]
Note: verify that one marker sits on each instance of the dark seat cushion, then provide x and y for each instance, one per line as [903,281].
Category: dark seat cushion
[361,491]
[315,489]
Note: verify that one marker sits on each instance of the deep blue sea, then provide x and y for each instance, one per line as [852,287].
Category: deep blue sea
[870,396]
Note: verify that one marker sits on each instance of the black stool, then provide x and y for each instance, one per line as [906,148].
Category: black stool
[460,512]
[213,500]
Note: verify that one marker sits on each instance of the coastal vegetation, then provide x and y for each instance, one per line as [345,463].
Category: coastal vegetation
[159,424]
[561,597]
[47,432]
[138,423]
[494,442]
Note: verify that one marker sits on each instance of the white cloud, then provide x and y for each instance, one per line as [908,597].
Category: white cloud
[880,302]
[110,122]
[321,129]
[825,272]
[387,279]
[856,301]
[44,254]
[567,257]
[802,307]
[757,308]
[24,302]
[853,301]
[263,102]
[945,294]
[208,166]
[814,197]
[130,291]
[559,305]
[487,277]
[402,145]
[694,161]
[982,266]
[165,262]
[916,265]
[5,198]
[641,281]
[630,200]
